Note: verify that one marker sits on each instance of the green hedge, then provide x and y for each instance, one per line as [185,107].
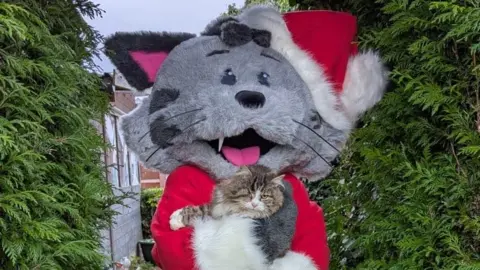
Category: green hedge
[53,195]
[406,195]
[148,204]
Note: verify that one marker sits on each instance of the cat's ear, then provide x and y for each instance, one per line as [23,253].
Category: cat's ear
[279,180]
[244,171]
[139,55]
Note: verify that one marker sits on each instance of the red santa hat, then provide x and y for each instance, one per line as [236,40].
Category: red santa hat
[321,47]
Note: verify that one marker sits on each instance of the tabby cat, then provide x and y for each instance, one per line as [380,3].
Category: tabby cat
[253,192]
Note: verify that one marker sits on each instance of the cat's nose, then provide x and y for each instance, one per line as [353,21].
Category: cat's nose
[254,204]
[250,99]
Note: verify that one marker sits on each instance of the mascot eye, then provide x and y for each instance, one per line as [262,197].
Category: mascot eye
[263,78]
[228,77]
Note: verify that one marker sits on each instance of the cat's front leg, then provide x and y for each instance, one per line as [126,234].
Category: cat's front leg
[186,216]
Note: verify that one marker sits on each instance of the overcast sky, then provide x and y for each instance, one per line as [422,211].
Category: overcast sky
[157,15]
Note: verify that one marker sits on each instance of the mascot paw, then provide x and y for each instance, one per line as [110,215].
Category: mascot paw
[176,220]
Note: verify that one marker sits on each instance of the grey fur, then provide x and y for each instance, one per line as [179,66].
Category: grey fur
[317,120]
[198,79]
[160,99]
[161,132]
[275,234]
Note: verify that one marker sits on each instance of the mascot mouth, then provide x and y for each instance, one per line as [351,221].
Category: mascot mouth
[244,149]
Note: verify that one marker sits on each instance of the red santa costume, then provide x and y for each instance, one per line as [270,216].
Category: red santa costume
[299,118]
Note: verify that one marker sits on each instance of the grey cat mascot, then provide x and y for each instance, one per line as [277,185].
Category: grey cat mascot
[278,90]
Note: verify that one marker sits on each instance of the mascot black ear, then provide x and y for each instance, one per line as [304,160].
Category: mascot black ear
[139,55]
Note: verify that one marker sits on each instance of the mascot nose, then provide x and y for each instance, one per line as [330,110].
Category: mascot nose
[250,99]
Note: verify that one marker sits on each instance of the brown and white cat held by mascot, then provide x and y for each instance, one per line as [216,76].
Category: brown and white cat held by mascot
[262,88]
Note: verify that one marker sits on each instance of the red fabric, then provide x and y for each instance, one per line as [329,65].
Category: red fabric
[328,36]
[310,231]
[185,186]
[189,185]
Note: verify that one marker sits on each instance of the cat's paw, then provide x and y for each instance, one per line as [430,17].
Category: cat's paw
[176,220]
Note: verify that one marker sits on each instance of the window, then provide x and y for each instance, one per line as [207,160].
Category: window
[122,165]
[121,155]
[112,158]
[126,167]
[134,174]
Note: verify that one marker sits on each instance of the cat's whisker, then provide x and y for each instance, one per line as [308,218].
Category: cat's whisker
[169,118]
[316,133]
[313,149]
[173,137]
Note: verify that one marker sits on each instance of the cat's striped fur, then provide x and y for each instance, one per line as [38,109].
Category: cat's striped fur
[253,192]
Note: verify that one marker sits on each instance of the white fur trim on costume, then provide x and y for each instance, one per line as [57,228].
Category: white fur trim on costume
[293,261]
[364,85]
[324,97]
[228,243]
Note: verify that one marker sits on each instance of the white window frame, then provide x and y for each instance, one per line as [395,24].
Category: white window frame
[113,175]
[131,170]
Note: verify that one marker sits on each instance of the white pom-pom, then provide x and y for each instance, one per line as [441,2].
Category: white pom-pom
[365,83]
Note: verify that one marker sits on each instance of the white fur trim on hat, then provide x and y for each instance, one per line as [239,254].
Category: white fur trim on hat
[363,86]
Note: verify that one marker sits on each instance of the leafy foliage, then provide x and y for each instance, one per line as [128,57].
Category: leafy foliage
[138,264]
[282,5]
[53,195]
[406,193]
[148,204]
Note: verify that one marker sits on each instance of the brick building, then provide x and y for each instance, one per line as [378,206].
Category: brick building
[124,172]
[151,178]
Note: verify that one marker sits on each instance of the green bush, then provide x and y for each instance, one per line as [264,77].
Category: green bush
[54,198]
[282,5]
[406,195]
[136,263]
[148,204]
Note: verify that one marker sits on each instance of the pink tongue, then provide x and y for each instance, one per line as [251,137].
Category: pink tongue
[242,157]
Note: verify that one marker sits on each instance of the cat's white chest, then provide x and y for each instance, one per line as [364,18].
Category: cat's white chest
[228,243]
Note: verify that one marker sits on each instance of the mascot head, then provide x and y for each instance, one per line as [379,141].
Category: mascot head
[244,92]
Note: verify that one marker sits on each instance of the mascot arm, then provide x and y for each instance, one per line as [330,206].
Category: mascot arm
[309,246]
[172,249]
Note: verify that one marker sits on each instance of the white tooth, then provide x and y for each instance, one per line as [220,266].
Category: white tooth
[220,143]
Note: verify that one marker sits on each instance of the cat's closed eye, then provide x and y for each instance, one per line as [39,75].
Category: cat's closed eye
[240,193]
